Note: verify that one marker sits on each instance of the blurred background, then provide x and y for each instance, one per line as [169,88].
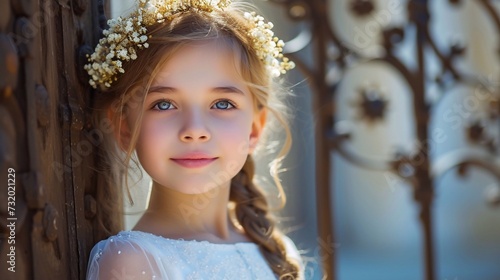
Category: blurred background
[406,97]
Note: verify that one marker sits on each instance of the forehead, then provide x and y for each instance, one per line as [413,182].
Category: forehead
[201,62]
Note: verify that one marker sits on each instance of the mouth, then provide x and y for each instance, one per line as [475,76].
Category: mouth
[193,162]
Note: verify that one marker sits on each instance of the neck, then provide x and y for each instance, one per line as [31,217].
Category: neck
[189,216]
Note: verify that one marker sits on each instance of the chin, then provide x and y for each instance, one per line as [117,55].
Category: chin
[197,187]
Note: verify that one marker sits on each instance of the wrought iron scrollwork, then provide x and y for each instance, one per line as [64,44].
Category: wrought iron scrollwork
[333,55]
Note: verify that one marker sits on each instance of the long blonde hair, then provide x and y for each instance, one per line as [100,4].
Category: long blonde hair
[251,207]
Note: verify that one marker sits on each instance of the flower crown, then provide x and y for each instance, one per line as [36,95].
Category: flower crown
[126,36]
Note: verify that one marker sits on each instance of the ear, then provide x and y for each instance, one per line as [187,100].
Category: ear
[257,127]
[122,129]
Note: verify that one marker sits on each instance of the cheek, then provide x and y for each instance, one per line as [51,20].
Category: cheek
[234,136]
[151,135]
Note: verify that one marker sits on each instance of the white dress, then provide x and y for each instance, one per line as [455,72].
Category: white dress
[140,255]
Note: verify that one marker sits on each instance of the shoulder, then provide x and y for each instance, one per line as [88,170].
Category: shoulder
[123,256]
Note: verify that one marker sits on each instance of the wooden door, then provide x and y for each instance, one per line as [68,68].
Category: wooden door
[49,197]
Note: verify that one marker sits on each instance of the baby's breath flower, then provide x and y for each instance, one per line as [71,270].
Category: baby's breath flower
[125,36]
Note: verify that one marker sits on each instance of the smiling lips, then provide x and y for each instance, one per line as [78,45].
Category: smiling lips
[194,160]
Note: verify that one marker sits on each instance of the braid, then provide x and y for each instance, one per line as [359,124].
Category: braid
[252,213]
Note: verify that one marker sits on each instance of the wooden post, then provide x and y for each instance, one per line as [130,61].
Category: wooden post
[46,140]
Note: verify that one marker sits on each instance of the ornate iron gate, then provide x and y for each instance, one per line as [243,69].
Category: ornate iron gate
[331,53]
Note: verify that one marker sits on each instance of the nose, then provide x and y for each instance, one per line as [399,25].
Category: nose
[194,128]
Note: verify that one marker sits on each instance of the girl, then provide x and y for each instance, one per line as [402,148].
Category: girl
[187,86]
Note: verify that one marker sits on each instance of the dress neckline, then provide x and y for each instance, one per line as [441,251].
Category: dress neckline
[192,241]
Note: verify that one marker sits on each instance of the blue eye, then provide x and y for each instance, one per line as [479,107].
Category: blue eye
[224,105]
[162,106]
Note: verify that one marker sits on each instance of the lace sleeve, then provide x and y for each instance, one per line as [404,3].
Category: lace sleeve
[121,258]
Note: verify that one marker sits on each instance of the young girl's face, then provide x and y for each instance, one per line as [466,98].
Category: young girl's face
[199,121]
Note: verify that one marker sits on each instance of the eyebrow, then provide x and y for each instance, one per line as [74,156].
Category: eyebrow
[224,89]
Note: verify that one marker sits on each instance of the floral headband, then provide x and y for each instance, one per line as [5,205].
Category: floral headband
[127,35]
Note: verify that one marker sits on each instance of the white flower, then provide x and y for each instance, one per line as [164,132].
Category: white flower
[275,72]
[129,27]
[122,53]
